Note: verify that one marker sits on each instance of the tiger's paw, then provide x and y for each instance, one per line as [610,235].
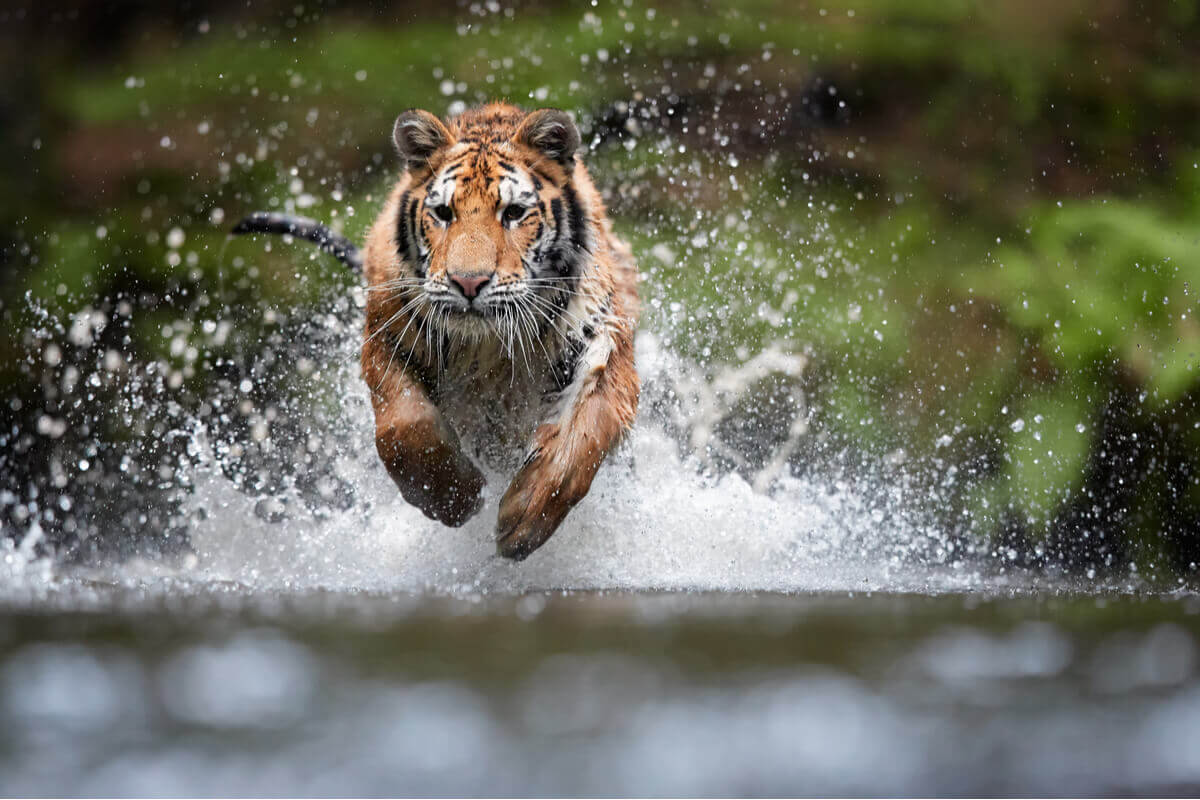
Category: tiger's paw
[457,501]
[538,499]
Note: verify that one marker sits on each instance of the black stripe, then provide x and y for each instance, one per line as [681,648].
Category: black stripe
[562,258]
[403,240]
[537,245]
[560,223]
[507,167]
[556,210]
[537,182]
[579,237]
[560,299]
[412,223]
[567,363]
[542,247]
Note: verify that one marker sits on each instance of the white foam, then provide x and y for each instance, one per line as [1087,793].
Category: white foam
[662,514]
[655,519]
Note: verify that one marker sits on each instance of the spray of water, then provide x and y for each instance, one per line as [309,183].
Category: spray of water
[656,518]
[725,483]
[683,505]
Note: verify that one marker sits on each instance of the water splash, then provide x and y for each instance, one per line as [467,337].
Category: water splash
[667,511]
[703,496]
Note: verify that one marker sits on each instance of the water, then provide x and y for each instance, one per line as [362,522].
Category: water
[730,611]
[174,687]
[706,623]
[684,505]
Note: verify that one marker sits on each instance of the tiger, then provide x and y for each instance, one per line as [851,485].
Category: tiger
[501,310]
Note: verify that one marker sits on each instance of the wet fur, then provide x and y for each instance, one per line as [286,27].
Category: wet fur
[542,380]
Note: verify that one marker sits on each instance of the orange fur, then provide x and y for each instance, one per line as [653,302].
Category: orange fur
[541,360]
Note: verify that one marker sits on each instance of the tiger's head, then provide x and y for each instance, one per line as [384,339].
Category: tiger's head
[490,222]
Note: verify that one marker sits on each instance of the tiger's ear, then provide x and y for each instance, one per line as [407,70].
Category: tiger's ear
[550,132]
[418,135]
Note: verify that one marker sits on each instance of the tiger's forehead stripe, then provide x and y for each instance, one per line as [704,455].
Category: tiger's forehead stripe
[482,170]
[440,191]
[478,174]
[516,188]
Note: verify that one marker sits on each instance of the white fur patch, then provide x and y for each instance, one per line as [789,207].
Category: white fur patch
[440,192]
[592,360]
[516,187]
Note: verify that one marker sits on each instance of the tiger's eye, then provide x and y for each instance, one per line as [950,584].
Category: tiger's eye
[444,213]
[513,213]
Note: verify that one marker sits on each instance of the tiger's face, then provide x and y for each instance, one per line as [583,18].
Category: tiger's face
[490,228]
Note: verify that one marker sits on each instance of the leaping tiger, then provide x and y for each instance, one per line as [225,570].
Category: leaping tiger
[500,318]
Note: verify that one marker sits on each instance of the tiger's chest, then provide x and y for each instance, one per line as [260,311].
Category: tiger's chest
[494,404]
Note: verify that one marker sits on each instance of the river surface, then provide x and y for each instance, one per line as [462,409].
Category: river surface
[682,634]
[170,686]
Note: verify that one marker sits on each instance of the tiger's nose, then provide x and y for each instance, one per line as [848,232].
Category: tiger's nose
[469,283]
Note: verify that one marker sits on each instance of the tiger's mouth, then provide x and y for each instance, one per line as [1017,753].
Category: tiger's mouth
[458,306]
[514,318]
[475,317]
[490,303]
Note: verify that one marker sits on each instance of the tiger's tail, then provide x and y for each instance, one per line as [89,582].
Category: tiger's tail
[310,230]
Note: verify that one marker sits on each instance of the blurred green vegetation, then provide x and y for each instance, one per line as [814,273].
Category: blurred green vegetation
[980,220]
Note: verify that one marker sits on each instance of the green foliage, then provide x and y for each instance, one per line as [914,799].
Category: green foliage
[1046,450]
[1104,280]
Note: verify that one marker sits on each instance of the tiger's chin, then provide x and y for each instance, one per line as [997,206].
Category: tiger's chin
[474,322]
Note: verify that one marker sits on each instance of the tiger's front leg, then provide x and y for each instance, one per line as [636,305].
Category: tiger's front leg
[566,453]
[420,451]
